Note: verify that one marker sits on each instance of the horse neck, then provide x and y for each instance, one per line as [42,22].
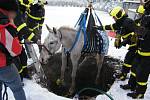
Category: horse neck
[68,38]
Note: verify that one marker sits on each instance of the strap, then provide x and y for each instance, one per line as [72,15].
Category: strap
[98,18]
[77,36]
[80,18]
[84,29]
[76,39]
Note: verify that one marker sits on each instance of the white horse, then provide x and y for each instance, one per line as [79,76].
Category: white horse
[66,37]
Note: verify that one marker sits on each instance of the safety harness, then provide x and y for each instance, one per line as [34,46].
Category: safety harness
[93,42]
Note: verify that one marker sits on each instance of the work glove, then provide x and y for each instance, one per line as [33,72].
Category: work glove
[36,40]
[117,43]
[134,38]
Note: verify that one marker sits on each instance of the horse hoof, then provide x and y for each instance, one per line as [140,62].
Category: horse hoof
[68,95]
[71,91]
[59,82]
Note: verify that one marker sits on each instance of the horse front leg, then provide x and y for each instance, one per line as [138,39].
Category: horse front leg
[74,59]
[63,67]
[99,60]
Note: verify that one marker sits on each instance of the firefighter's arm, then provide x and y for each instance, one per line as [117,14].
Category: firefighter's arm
[131,27]
[129,38]
[125,40]
[112,27]
[23,30]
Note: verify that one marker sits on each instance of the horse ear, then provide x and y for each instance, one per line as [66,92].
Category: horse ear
[49,29]
[54,30]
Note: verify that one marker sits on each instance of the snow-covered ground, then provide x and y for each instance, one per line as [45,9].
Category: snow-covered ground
[34,91]
[56,17]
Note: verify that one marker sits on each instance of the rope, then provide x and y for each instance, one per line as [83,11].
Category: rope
[39,45]
[94,89]
[79,22]
[98,18]
[84,30]
[5,94]
[81,16]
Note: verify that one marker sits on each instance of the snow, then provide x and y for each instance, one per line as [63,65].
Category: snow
[119,94]
[34,91]
[68,16]
[59,16]
[116,53]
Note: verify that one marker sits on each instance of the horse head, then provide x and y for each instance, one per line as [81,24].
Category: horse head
[51,45]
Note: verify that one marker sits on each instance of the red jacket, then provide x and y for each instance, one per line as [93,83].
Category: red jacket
[9,43]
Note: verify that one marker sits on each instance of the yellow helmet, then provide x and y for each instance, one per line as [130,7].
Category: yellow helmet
[117,12]
[26,3]
[140,9]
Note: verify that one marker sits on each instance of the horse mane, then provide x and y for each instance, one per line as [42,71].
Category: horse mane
[66,28]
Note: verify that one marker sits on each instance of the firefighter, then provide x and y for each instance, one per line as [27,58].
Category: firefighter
[21,63]
[24,34]
[140,11]
[141,63]
[10,48]
[35,18]
[125,28]
[132,80]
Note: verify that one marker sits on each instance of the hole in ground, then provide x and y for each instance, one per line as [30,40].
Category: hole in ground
[85,78]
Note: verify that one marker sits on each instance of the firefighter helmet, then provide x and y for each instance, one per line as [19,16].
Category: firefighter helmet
[117,12]
[26,3]
[140,9]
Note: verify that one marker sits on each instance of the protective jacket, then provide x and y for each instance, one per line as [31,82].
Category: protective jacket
[9,42]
